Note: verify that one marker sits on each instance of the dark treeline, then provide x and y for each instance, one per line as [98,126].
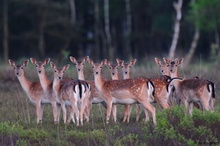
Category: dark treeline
[102,28]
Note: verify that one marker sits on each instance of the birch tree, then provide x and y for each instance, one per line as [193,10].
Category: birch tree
[178,7]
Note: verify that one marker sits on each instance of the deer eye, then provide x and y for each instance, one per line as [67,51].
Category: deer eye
[35,65]
[93,67]
[116,67]
[110,68]
[14,67]
[100,67]
[22,68]
[55,71]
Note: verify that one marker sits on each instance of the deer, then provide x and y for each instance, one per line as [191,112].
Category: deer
[173,65]
[33,90]
[161,83]
[47,86]
[126,75]
[115,76]
[74,93]
[164,68]
[192,90]
[95,96]
[128,91]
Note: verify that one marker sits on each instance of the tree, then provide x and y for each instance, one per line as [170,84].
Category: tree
[205,14]
[5,30]
[178,7]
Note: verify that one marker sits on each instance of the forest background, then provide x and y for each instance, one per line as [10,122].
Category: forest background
[110,29]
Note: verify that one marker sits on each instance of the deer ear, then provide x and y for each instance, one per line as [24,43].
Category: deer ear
[25,63]
[73,59]
[52,65]
[167,61]
[85,59]
[158,61]
[90,61]
[107,63]
[180,61]
[11,62]
[33,61]
[120,62]
[46,61]
[66,67]
[104,62]
[133,61]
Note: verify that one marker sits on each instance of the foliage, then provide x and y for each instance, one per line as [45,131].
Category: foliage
[205,14]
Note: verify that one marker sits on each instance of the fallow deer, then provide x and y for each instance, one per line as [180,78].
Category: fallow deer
[127,91]
[173,65]
[194,90]
[164,68]
[33,90]
[74,93]
[47,86]
[126,75]
[95,97]
[161,83]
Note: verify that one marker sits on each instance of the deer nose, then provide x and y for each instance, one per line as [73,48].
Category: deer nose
[59,78]
[39,71]
[97,72]
[78,69]
[126,72]
[113,73]
[17,73]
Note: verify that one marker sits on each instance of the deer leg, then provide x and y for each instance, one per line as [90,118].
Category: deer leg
[38,112]
[138,111]
[126,111]
[190,108]
[54,107]
[108,111]
[114,112]
[147,106]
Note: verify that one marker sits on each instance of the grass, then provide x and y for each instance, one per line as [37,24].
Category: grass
[18,119]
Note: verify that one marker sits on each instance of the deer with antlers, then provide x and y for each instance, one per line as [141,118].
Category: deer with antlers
[74,93]
[193,91]
[33,90]
[127,91]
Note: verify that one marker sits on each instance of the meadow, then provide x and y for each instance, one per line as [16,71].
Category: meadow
[18,119]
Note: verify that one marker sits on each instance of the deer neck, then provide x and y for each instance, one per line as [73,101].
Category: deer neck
[25,83]
[174,74]
[81,75]
[126,76]
[56,86]
[115,77]
[44,81]
[99,82]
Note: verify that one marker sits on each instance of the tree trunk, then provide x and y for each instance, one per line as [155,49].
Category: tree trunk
[73,11]
[217,42]
[127,30]
[177,7]
[110,50]
[5,30]
[192,49]
[41,44]
[97,29]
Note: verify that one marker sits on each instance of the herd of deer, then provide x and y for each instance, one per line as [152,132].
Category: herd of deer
[77,96]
